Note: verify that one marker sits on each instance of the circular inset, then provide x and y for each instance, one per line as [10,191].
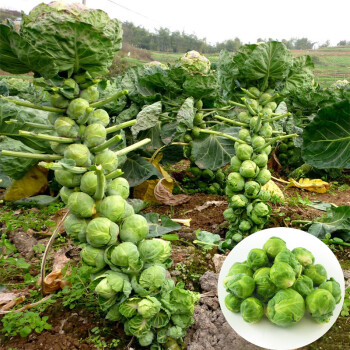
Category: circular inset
[264,333]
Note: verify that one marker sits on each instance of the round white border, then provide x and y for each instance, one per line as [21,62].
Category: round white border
[264,333]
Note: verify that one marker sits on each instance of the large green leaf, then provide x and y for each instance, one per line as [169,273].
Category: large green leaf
[185,115]
[137,170]
[326,140]
[271,60]
[336,221]
[212,151]
[147,118]
[15,167]
[160,225]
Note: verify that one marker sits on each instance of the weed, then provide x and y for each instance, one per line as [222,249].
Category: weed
[346,306]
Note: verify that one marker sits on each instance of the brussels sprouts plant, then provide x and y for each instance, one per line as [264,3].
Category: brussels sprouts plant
[249,165]
[128,270]
[280,286]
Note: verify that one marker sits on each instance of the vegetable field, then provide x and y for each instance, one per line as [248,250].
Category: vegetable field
[121,197]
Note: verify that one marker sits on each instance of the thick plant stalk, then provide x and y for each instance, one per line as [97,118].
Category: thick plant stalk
[100,183]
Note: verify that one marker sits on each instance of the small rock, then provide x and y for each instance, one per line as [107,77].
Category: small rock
[218,261]
[23,242]
[209,281]
[176,273]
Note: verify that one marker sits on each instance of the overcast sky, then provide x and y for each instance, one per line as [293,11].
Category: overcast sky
[219,20]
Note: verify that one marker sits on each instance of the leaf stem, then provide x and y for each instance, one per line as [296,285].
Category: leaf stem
[277,138]
[280,116]
[32,105]
[108,99]
[205,131]
[132,147]
[100,183]
[31,155]
[59,166]
[233,122]
[58,139]
[121,126]
[114,174]
[113,140]
[237,104]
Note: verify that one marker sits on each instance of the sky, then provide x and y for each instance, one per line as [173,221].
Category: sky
[220,20]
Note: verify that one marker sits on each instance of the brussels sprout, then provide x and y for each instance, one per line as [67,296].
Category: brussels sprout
[235,181]
[229,192]
[57,147]
[251,189]
[273,246]
[134,229]
[258,220]
[238,267]
[93,257]
[257,258]
[220,176]
[253,123]
[282,275]
[263,177]
[240,285]
[267,150]
[88,183]
[244,134]
[264,195]
[266,130]
[99,116]
[65,192]
[252,310]
[153,278]
[213,189]
[77,108]
[112,283]
[244,225]
[286,308]
[154,250]
[316,272]
[248,169]
[101,232]
[108,159]
[72,87]
[261,272]
[261,209]
[148,307]
[81,204]
[94,135]
[233,303]
[208,174]
[321,304]
[258,141]
[119,186]
[128,308]
[235,164]
[261,159]
[229,215]
[58,101]
[67,179]
[90,94]
[333,287]
[272,105]
[112,207]
[244,117]
[255,91]
[66,127]
[195,62]
[124,255]
[76,227]
[244,151]
[129,210]
[304,256]
[79,153]
[146,339]
[238,201]
[288,257]
[303,285]
[53,116]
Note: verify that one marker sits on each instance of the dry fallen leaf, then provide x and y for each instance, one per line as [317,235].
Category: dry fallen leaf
[163,195]
[273,189]
[313,185]
[53,282]
[8,300]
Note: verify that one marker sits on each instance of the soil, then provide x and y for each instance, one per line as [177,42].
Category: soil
[72,328]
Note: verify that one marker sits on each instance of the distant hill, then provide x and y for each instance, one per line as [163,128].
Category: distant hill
[4,13]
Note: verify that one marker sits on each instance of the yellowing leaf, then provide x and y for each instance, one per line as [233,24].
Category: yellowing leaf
[31,184]
[273,189]
[313,185]
[145,191]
